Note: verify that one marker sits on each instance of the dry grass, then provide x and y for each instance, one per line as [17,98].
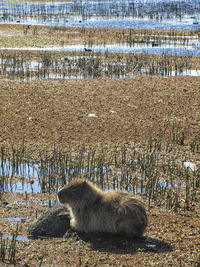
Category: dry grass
[16,35]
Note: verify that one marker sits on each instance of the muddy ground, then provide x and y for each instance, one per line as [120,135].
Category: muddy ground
[171,239]
[48,112]
[122,110]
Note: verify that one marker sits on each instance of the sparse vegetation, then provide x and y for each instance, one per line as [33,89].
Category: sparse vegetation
[8,247]
[44,65]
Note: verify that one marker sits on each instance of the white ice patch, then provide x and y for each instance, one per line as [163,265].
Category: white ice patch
[189,165]
[92,115]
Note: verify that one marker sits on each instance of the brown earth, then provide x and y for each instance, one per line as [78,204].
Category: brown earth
[125,109]
[171,239]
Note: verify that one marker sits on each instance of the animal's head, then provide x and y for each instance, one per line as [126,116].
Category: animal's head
[73,191]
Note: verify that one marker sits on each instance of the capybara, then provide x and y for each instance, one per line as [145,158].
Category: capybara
[93,210]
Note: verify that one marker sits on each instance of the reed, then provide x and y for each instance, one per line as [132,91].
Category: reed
[22,65]
[153,171]
[51,13]
[8,247]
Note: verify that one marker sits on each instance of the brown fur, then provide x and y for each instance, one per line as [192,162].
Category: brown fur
[92,210]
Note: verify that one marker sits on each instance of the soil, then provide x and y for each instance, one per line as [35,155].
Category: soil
[125,109]
[171,239]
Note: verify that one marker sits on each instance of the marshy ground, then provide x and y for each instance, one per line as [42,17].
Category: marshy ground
[125,121]
[125,111]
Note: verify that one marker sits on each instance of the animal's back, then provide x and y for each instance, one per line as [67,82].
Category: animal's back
[116,212]
[128,213]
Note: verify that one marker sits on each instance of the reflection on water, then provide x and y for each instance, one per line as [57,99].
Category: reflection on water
[15,219]
[92,65]
[32,178]
[22,187]
[139,48]
[19,238]
[23,169]
[173,14]
[143,14]
[45,185]
[192,48]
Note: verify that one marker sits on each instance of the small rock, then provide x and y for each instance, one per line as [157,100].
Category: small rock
[53,223]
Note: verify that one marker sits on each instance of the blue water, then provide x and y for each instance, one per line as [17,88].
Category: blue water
[19,238]
[132,24]
[25,169]
[32,177]
[193,49]
[133,14]
[14,219]
[140,49]
[148,14]
[22,187]
[36,185]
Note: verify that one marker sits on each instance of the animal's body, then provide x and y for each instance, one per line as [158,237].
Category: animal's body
[92,210]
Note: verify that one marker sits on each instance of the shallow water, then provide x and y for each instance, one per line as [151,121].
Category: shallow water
[112,23]
[188,72]
[138,48]
[32,178]
[26,188]
[37,186]
[19,238]
[23,169]
[78,67]
[14,219]
[149,14]
[23,187]
[143,14]
[135,48]
[28,170]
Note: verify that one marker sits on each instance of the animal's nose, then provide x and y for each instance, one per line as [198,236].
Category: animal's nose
[60,197]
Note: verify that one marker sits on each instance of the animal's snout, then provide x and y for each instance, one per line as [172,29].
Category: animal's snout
[60,196]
